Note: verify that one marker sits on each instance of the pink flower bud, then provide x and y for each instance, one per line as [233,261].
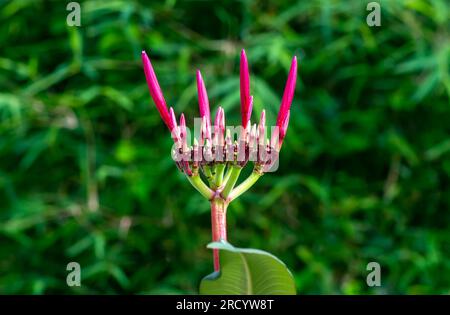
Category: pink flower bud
[246,102]
[183,132]
[173,122]
[155,91]
[219,126]
[203,103]
[182,127]
[284,127]
[262,128]
[203,131]
[288,93]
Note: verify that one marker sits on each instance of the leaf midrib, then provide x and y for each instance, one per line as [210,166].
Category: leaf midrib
[249,277]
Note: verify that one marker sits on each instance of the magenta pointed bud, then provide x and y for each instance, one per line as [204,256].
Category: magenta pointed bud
[246,106]
[219,126]
[275,138]
[173,122]
[221,120]
[247,133]
[253,143]
[155,91]
[284,127]
[249,110]
[182,127]
[288,93]
[222,126]
[203,102]
[262,128]
[173,118]
[217,119]
[228,146]
[207,152]
[203,131]
[228,140]
[253,135]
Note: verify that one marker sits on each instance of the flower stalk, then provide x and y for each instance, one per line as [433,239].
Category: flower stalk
[219,226]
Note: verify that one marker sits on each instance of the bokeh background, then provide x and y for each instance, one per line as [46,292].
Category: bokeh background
[85,167]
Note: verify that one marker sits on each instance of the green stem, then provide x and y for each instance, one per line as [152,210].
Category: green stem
[198,184]
[208,173]
[227,176]
[234,175]
[244,186]
[220,169]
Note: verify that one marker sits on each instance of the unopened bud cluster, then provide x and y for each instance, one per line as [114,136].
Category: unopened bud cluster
[217,147]
[232,148]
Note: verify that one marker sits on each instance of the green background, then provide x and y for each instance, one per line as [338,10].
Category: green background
[85,167]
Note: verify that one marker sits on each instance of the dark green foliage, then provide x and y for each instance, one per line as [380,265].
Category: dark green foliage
[85,167]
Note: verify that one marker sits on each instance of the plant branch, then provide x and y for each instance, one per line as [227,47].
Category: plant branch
[208,173]
[234,171]
[227,175]
[198,184]
[220,169]
[244,186]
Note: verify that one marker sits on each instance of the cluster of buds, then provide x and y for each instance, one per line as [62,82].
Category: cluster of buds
[218,146]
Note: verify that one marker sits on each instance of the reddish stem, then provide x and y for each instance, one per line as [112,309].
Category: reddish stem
[219,226]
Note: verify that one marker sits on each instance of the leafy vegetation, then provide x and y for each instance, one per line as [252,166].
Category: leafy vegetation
[85,167]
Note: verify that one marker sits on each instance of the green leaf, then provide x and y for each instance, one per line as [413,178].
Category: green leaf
[247,271]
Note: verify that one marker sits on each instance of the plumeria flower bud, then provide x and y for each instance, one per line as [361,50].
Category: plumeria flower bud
[183,134]
[207,152]
[229,152]
[216,120]
[203,103]
[243,146]
[246,99]
[275,139]
[235,150]
[249,110]
[219,127]
[253,143]
[283,128]
[253,135]
[203,131]
[222,121]
[288,94]
[247,133]
[175,131]
[262,128]
[155,91]
[262,149]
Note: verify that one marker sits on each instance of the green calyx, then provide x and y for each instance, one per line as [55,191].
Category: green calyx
[221,180]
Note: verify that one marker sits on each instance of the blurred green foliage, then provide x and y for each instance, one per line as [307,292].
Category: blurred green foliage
[85,167]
